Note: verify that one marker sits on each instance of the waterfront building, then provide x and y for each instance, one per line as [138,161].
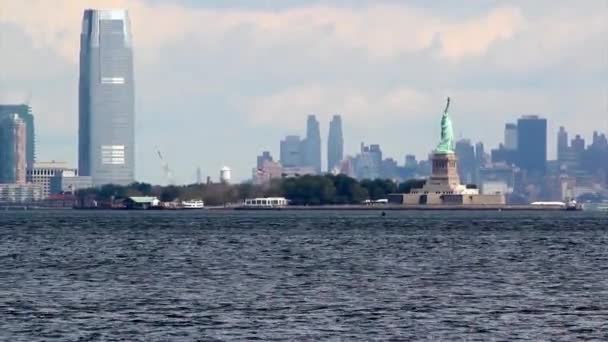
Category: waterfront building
[68,181]
[335,144]
[43,172]
[20,193]
[311,146]
[24,112]
[291,151]
[13,150]
[532,140]
[106,133]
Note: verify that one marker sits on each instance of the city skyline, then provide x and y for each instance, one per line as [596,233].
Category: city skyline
[509,74]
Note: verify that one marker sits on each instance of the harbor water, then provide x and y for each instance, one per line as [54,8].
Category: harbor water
[290,276]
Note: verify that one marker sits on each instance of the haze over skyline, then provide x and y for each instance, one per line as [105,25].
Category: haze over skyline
[218,83]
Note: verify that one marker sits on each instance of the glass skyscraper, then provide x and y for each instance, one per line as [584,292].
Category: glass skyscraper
[312,144]
[24,112]
[532,145]
[106,133]
[335,144]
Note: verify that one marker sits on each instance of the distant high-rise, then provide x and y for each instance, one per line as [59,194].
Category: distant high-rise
[13,150]
[532,145]
[368,163]
[25,113]
[510,137]
[335,144]
[265,156]
[106,146]
[311,146]
[578,144]
[562,143]
[465,151]
[291,151]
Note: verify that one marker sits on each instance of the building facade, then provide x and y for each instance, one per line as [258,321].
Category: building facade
[312,144]
[67,181]
[291,151]
[532,145]
[43,172]
[20,193]
[25,113]
[106,149]
[335,144]
[13,150]
[510,137]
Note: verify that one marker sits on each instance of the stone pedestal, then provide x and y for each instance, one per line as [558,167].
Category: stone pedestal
[444,177]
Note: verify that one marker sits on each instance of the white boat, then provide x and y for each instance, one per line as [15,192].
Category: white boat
[193,204]
[266,202]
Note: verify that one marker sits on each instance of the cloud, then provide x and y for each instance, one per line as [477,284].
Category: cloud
[380,31]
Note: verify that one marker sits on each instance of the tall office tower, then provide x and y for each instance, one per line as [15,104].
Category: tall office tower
[562,143]
[532,143]
[311,146]
[106,133]
[13,150]
[291,151]
[335,144]
[25,113]
[510,137]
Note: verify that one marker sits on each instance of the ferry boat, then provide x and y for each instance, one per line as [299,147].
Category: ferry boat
[266,202]
[193,204]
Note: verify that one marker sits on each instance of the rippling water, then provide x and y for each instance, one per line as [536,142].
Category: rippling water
[205,276]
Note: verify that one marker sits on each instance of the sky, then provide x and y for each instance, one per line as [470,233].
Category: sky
[218,82]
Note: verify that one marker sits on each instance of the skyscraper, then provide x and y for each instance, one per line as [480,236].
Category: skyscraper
[510,137]
[562,143]
[25,113]
[532,145]
[465,151]
[13,151]
[312,144]
[106,146]
[291,151]
[335,144]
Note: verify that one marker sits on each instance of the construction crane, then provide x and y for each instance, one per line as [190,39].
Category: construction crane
[165,167]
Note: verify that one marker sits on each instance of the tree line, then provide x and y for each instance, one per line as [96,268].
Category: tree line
[304,190]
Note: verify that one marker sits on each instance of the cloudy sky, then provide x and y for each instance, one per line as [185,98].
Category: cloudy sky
[220,81]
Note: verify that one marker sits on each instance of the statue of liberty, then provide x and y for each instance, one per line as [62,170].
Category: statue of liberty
[446,145]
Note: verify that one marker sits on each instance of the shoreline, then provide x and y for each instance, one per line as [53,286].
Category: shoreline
[353,207]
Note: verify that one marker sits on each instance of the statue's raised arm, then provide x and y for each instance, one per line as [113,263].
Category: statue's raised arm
[446,144]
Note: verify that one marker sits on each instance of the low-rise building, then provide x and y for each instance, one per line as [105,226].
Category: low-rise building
[20,193]
[43,172]
[141,202]
[68,181]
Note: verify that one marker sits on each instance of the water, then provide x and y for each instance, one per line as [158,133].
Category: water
[211,276]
